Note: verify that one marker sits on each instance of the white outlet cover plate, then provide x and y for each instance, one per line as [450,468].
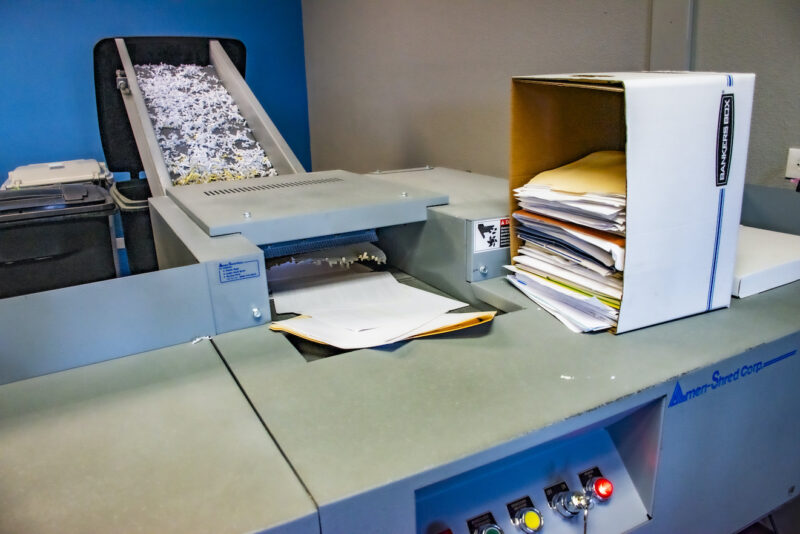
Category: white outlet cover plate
[793,163]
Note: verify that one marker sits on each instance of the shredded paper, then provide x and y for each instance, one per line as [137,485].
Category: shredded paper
[201,132]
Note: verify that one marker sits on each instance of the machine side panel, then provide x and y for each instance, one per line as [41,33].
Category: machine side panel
[638,440]
[56,330]
[448,251]
[729,442]
[390,508]
[726,456]
[238,288]
[433,251]
[305,525]
[237,278]
[174,230]
[487,247]
[771,208]
[170,226]
[441,252]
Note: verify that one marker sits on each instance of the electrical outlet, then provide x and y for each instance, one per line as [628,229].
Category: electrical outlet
[793,163]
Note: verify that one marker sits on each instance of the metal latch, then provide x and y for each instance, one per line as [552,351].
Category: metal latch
[122,83]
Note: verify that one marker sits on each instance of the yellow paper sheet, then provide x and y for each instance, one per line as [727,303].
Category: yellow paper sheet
[600,172]
[468,320]
[607,300]
[320,332]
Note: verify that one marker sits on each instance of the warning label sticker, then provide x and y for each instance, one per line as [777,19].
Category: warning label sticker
[490,234]
[238,270]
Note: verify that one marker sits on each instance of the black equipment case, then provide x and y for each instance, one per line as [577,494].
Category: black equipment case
[52,237]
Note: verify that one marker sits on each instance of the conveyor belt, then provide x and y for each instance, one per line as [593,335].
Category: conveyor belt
[200,130]
[167,149]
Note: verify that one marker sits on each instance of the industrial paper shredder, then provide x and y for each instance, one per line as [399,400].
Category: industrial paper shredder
[229,226]
[458,433]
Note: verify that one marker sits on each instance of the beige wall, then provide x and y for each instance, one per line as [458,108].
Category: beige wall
[405,83]
[761,37]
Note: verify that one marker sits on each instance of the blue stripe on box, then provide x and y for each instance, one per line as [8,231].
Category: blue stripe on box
[720,211]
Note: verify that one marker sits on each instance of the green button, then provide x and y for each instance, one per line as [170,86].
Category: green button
[493,530]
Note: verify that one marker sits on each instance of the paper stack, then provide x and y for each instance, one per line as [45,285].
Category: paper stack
[572,227]
[353,310]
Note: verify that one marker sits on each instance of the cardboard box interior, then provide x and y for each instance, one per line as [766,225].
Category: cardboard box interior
[556,123]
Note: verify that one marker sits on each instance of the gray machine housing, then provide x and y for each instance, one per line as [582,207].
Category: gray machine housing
[417,437]
[291,207]
[213,276]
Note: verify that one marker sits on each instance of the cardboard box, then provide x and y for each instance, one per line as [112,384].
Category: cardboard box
[685,135]
[764,260]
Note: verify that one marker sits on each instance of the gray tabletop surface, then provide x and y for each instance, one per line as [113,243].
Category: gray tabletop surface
[162,441]
[407,408]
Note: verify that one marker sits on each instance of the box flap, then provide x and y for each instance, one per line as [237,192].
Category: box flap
[612,78]
[765,260]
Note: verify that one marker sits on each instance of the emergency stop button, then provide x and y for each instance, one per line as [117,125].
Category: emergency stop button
[596,485]
[602,488]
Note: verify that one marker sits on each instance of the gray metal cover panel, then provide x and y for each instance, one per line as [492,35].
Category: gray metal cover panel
[158,442]
[286,208]
[472,196]
[55,330]
[432,401]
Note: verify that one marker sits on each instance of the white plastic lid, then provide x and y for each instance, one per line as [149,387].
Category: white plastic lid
[59,172]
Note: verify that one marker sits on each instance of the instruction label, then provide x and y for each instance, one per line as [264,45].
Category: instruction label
[491,234]
[234,271]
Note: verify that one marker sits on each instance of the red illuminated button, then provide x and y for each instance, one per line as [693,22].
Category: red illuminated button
[603,488]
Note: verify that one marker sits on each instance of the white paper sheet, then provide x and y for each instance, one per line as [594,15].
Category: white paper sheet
[358,291]
[585,303]
[567,311]
[554,256]
[608,287]
[358,310]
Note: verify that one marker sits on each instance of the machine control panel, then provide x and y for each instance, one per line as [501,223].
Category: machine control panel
[572,482]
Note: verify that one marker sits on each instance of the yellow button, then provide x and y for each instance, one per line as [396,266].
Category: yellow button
[532,520]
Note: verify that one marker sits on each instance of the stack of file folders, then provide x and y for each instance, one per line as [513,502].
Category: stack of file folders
[571,227]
